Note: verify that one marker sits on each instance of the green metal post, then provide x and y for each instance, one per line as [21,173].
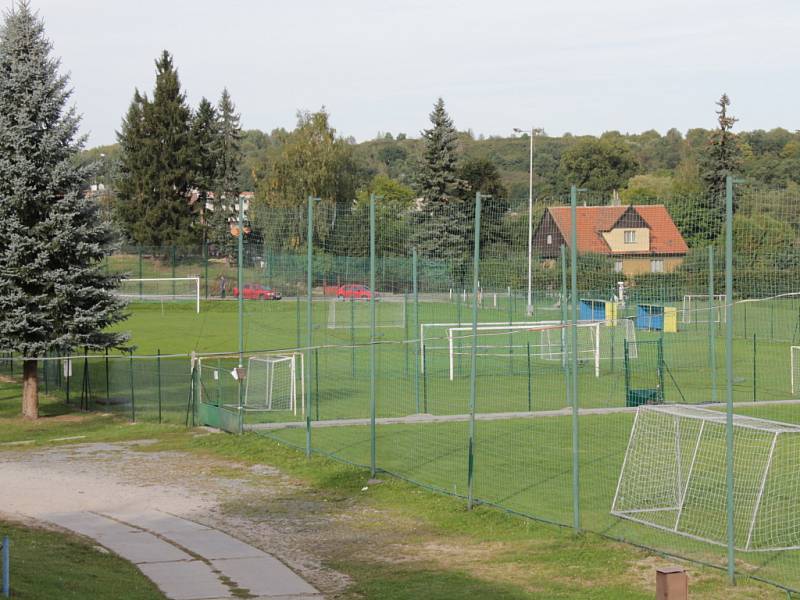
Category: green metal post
[576,515]
[133,398]
[405,330]
[141,272]
[297,314]
[473,380]
[712,342]
[309,316]
[372,340]
[158,376]
[316,381]
[416,325]
[108,392]
[205,270]
[353,334]
[510,338]
[754,367]
[529,378]
[240,279]
[729,374]
[173,269]
[564,305]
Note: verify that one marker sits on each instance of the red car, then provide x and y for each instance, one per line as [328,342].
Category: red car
[254,291]
[355,292]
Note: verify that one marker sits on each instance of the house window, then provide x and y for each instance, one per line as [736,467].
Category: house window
[656,266]
[617,266]
[549,239]
[630,236]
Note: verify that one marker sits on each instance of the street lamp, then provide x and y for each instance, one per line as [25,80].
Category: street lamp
[533,132]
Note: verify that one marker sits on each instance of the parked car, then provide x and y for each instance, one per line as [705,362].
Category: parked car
[354,292]
[254,291]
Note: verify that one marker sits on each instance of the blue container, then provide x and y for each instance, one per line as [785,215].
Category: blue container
[650,317]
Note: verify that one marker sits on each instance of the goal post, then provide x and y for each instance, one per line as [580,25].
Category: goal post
[494,339]
[272,383]
[673,477]
[161,289]
[702,308]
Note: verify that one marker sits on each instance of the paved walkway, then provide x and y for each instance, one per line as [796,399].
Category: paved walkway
[186,560]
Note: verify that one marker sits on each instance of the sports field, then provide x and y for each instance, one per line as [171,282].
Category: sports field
[522,462]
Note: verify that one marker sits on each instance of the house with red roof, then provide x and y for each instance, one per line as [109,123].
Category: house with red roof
[640,238]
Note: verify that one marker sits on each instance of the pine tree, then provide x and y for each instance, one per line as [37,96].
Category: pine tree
[204,136]
[722,157]
[440,228]
[228,161]
[153,192]
[54,292]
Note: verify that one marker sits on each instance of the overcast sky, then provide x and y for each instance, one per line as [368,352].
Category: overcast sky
[583,66]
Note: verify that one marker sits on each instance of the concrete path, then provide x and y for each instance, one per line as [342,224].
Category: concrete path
[186,560]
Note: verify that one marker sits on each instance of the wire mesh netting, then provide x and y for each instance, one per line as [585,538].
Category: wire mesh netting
[410,357]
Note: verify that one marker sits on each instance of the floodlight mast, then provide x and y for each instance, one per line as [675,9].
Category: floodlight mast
[534,131]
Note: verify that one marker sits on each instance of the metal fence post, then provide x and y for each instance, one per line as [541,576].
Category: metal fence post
[576,510]
[141,271]
[205,269]
[729,374]
[309,316]
[133,398]
[372,340]
[158,376]
[473,380]
[415,287]
[712,342]
[240,302]
[6,567]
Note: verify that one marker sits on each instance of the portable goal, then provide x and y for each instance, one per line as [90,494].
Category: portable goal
[499,340]
[161,289]
[272,383]
[356,314]
[673,477]
[702,308]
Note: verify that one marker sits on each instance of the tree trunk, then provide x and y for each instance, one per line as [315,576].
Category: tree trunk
[30,389]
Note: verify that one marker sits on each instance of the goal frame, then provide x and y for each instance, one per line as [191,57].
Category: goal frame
[686,312]
[162,297]
[452,331]
[274,359]
[772,431]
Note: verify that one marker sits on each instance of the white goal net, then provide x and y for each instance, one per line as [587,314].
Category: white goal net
[702,308]
[161,289]
[390,311]
[272,383]
[674,477]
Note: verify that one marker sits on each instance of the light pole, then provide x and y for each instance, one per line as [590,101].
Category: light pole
[533,133]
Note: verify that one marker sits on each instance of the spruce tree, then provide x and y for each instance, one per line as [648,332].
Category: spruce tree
[440,228]
[722,157]
[204,138]
[54,293]
[156,164]
[229,159]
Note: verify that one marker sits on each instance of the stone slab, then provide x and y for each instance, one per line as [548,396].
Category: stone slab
[189,580]
[141,547]
[265,576]
[158,522]
[211,544]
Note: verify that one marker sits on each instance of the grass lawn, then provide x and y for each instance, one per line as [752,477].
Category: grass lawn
[456,553]
[48,564]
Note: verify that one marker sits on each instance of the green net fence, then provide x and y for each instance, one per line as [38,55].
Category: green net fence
[591,390]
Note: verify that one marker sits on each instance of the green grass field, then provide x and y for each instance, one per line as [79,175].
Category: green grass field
[523,465]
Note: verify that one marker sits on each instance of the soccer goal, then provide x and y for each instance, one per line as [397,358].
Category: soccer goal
[673,477]
[434,336]
[272,383]
[355,314]
[161,289]
[498,340]
[702,308]
[794,365]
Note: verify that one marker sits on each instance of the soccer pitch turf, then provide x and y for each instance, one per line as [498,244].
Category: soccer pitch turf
[520,464]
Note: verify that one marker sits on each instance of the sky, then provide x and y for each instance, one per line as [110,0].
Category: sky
[575,66]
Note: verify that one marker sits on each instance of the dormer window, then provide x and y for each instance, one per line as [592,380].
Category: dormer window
[630,236]
[549,239]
